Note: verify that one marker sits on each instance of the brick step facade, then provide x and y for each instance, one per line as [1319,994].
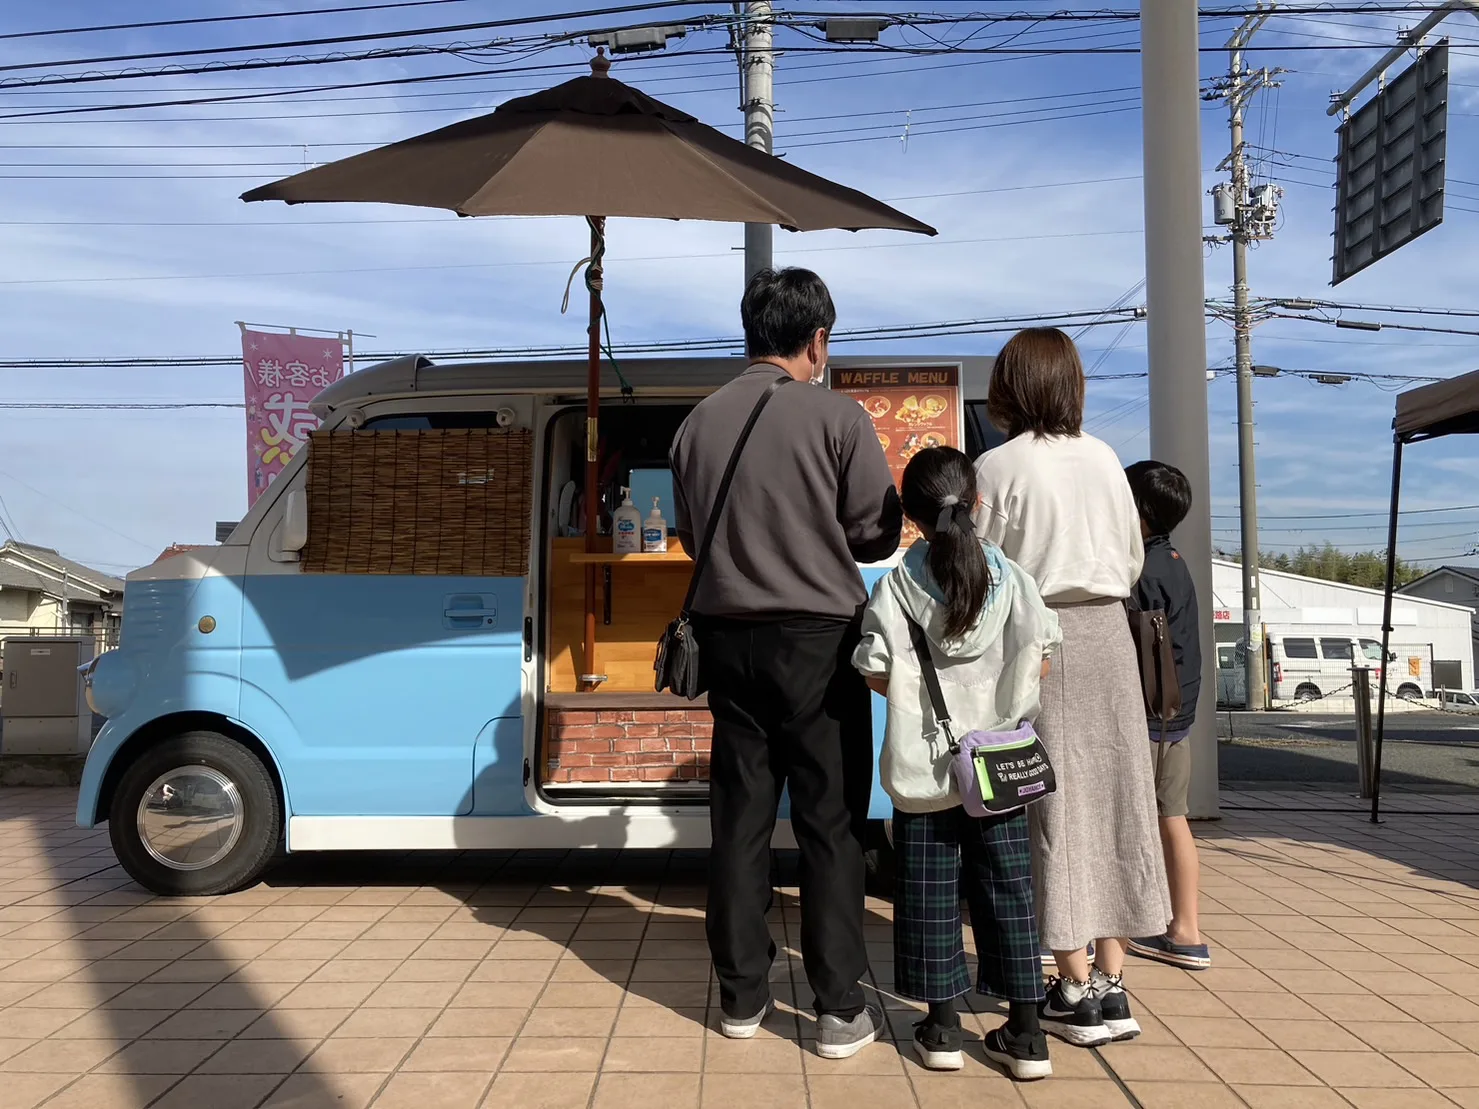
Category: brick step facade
[627,745]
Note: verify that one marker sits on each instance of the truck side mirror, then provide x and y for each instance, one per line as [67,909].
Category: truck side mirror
[295,522]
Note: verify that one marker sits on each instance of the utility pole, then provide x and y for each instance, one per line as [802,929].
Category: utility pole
[757,70]
[1248,218]
[1176,326]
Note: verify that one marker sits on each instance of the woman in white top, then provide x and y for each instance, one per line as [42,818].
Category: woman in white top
[1057,502]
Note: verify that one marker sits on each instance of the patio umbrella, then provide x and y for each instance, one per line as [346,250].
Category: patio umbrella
[592,147]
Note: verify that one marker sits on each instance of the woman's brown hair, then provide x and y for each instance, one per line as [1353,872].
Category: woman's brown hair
[1037,385]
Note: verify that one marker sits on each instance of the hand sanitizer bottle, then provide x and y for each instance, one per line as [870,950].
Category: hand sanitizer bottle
[655,531]
[626,526]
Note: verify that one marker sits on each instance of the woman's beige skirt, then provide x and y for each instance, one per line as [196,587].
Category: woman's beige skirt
[1096,848]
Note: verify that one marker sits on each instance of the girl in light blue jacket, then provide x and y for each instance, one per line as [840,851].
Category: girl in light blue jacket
[990,636]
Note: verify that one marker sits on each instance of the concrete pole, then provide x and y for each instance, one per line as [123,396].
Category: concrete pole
[759,71]
[1243,351]
[1176,324]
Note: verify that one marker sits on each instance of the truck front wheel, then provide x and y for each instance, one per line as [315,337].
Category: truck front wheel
[194,815]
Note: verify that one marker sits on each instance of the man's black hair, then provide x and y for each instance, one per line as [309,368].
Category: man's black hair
[782,310]
[1162,494]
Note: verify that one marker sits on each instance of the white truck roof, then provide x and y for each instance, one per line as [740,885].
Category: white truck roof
[415,374]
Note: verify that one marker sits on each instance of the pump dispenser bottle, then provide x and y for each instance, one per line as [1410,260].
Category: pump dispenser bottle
[655,530]
[626,526]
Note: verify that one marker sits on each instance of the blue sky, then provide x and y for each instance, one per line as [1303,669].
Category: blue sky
[123,236]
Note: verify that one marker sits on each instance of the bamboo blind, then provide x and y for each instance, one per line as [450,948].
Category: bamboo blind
[454,502]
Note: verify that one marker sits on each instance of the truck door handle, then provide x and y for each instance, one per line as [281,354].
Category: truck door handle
[470,611]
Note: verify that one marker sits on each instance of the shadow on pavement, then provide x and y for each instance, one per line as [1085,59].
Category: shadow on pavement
[133,999]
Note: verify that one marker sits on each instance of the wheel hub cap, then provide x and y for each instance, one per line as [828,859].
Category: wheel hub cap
[190,818]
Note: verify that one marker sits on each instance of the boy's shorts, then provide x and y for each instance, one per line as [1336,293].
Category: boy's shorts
[1171,762]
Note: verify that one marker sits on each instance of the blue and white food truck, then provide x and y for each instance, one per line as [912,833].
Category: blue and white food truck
[389,651]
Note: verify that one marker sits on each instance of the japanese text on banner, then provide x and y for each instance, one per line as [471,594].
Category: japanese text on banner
[283,375]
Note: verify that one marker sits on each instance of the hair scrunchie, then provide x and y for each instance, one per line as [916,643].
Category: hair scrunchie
[951,511]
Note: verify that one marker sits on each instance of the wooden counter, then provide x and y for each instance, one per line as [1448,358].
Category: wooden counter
[646,592]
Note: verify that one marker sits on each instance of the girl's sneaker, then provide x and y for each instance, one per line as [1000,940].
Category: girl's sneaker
[1025,1057]
[1074,1017]
[939,1045]
[1114,1004]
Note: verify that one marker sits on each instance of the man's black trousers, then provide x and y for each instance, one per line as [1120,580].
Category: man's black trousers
[789,711]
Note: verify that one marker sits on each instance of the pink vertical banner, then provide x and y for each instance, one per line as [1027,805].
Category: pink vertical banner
[283,375]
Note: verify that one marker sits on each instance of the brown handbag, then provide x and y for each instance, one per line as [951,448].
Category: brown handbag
[1159,682]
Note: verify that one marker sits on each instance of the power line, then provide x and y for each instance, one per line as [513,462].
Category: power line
[204,20]
[335,40]
[463,49]
[550,262]
[1018,119]
[939,329]
[1356,515]
[76,512]
[455,221]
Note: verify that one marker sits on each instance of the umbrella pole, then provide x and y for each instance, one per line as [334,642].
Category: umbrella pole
[589,678]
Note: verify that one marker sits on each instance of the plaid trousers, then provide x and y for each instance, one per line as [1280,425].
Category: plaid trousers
[936,854]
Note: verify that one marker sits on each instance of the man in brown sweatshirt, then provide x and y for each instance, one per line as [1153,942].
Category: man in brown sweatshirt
[777,617]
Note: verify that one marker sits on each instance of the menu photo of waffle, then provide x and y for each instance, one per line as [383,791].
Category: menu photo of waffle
[912,409]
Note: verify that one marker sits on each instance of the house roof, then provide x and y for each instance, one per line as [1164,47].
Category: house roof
[1468,573]
[18,577]
[56,562]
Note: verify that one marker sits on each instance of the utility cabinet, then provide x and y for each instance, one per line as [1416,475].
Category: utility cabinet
[41,700]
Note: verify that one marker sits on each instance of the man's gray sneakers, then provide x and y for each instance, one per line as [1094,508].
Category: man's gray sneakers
[737,1028]
[842,1039]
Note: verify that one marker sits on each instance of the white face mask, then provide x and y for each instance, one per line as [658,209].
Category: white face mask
[819,376]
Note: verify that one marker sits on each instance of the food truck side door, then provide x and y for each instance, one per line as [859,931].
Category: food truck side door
[387,680]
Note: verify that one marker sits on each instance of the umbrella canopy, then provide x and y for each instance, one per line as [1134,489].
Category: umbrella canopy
[591,147]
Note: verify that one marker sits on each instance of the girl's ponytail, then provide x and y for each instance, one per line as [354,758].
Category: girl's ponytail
[939,489]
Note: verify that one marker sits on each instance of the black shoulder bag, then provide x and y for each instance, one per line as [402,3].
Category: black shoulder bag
[677,650]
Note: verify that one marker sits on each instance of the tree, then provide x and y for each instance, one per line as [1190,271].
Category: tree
[1367,569]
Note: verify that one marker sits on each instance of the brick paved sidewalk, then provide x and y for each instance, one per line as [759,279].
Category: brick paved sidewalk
[1347,960]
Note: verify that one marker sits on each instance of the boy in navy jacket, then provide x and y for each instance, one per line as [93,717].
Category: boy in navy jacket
[1163,497]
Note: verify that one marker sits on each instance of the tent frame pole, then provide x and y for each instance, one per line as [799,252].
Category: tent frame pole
[1386,627]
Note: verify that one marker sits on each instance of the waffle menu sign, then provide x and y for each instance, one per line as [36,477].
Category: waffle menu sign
[912,408]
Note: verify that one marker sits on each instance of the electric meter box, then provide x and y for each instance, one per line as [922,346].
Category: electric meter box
[41,699]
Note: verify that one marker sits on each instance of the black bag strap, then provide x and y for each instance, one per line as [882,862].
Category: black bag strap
[931,680]
[701,556]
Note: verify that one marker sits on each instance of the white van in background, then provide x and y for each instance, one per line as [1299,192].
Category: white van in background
[1309,665]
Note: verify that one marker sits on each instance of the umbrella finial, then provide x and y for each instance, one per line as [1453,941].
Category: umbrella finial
[600,64]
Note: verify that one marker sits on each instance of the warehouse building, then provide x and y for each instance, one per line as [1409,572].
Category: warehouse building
[1316,631]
